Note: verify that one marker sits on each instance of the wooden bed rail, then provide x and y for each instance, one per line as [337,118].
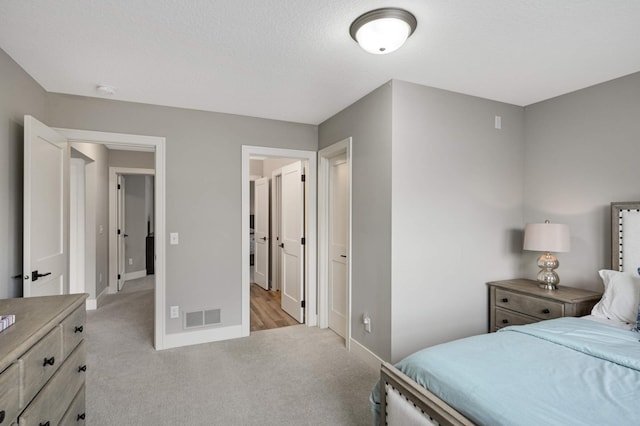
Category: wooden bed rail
[424,400]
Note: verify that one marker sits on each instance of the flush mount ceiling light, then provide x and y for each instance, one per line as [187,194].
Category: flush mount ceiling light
[383,31]
[105,89]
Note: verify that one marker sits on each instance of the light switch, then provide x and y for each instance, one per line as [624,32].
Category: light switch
[173,238]
[100,229]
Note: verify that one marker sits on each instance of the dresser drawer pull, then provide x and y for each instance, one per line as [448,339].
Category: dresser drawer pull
[2,416]
[505,300]
[49,361]
[80,417]
[78,329]
[546,311]
[82,368]
[505,321]
[44,424]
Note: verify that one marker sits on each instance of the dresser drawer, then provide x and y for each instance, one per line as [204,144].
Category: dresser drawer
[539,308]
[9,394]
[54,399]
[506,318]
[73,329]
[39,363]
[76,413]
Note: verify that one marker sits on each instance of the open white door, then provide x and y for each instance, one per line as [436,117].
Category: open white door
[120,231]
[261,232]
[292,235]
[338,238]
[46,211]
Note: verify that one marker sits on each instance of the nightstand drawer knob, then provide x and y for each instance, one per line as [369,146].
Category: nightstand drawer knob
[505,300]
[546,311]
[505,321]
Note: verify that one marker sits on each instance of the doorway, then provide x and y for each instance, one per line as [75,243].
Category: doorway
[142,235]
[334,238]
[277,213]
[120,141]
[300,234]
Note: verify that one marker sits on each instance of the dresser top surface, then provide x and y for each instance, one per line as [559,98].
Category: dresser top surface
[35,316]
[563,294]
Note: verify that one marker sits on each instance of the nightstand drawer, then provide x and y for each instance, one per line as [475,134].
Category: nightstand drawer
[505,318]
[539,308]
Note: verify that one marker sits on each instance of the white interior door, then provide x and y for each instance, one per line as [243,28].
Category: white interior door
[46,211]
[121,230]
[292,233]
[276,203]
[338,243]
[261,232]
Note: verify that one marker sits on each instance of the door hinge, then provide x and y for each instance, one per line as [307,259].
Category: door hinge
[302,240]
[118,232]
[303,178]
[118,276]
[118,186]
[302,304]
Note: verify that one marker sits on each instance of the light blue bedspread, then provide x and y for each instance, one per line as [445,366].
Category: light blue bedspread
[568,371]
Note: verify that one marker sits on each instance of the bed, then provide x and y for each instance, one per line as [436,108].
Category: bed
[566,371]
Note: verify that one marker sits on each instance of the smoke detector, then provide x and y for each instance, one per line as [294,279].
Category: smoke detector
[105,89]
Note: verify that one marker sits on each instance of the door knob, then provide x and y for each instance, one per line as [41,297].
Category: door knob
[264,238]
[343,255]
[281,245]
[35,275]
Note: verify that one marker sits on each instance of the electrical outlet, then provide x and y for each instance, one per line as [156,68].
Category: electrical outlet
[100,277]
[173,238]
[175,312]
[130,261]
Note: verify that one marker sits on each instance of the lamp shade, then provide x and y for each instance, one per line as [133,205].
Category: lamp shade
[551,237]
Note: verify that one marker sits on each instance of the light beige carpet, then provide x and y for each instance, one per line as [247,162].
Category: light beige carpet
[289,376]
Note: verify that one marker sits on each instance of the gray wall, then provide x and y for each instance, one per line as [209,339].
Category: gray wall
[135,159]
[19,95]
[368,122]
[135,223]
[97,216]
[203,171]
[457,211]
[582,153]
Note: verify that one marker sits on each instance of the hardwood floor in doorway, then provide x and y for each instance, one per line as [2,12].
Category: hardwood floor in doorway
[266,312]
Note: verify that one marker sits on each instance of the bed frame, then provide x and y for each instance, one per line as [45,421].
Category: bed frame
[422,404]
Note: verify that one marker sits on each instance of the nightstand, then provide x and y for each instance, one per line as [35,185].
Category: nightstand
[521,301]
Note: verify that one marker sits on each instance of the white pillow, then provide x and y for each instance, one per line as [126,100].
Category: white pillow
[621,297]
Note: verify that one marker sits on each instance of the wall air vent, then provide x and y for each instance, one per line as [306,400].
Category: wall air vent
[202,318]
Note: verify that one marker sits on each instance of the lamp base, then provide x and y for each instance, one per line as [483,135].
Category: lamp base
[547,277]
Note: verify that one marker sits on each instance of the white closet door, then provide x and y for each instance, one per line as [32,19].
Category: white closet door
[261,232]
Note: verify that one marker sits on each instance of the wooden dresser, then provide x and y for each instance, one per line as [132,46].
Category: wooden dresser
[42,361]
[521,301]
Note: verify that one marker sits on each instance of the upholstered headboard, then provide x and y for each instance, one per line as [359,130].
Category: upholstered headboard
[625,236]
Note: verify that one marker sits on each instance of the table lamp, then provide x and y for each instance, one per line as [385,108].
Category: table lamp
[547,237]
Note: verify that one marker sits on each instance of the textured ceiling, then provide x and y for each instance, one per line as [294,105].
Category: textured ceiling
[294,60]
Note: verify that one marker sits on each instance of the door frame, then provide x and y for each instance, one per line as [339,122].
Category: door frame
[142,143]
[114,172]
[324,157]
[311,311]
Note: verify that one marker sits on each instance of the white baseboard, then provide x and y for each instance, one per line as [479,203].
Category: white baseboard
[371,359]
[135,275]
[92,304]
[196,337]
